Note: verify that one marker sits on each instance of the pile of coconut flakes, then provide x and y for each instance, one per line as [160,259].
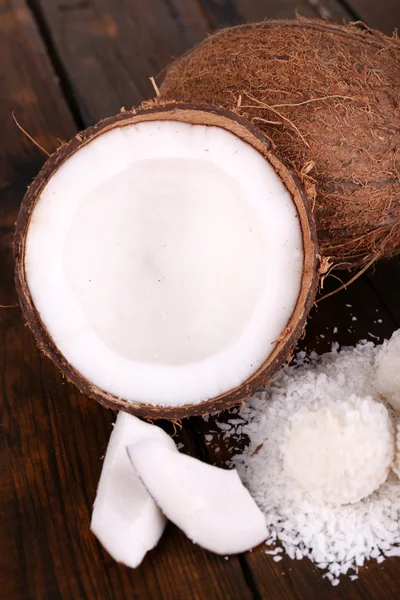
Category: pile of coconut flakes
[338,538]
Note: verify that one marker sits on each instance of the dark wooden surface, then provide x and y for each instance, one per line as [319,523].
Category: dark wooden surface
[64,64]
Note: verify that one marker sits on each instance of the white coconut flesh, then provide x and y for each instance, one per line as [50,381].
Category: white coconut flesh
[125,518]
[211,505]
[165,259]
[388,370]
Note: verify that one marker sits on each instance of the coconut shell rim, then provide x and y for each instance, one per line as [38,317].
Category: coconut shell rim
[194,114]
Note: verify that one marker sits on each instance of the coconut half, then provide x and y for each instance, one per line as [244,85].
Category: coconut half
[166,260]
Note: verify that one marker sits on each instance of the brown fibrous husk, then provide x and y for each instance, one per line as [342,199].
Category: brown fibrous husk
[192,114]
[328,97]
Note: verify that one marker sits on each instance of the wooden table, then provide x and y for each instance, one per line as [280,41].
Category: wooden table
[64,65]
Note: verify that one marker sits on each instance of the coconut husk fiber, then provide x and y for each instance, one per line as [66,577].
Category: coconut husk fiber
[328,97]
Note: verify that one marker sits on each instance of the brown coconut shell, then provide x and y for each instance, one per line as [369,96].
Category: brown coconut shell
[328,97]
[194,115]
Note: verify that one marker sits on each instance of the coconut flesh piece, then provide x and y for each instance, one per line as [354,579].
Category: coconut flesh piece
[125,518]
[211,505]
[340,452]
[387,382]
[396,461]
[166,261]
[388,370]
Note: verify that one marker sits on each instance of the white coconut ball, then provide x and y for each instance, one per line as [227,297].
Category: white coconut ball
[340,451]
[388,370]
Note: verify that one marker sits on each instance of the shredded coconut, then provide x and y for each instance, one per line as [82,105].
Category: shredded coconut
[339,539]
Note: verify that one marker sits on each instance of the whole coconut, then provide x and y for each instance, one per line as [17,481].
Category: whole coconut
[328,97]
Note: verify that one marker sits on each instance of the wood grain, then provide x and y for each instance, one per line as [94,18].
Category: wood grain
[110,49]
[384,16]
[226,13]
[385,279]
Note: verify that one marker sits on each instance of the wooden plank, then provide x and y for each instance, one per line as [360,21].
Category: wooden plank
[21,93]
[226,13]
[234,12]
[384,16]
[334,10]
[302,580]
[385,279]
[110,49]
[52,437]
